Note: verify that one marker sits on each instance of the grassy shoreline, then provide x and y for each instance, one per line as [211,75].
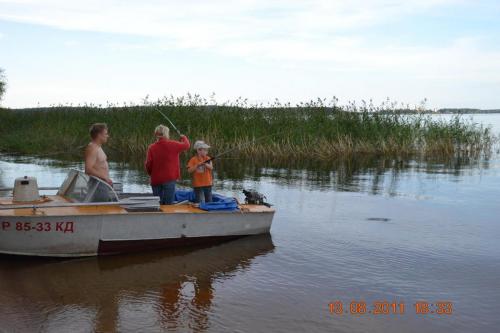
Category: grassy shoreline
[309,131]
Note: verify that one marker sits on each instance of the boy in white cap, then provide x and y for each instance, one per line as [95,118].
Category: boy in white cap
[200,166]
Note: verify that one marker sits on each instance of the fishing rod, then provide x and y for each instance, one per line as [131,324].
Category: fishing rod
[170,122]
[240,146]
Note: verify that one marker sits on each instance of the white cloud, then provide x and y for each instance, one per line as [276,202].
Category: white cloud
[71,43]
[209,23]
[245,26]
[293,30]
[315,35]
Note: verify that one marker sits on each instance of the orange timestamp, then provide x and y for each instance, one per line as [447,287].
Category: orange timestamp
[360,307]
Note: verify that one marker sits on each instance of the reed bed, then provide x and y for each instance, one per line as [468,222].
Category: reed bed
[310,130]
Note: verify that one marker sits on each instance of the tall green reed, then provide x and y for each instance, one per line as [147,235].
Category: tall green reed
[315,129]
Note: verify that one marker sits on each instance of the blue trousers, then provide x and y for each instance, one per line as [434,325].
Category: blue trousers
[165,191]
[203,194]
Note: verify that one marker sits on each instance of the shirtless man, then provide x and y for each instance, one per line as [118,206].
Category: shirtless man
[96,161]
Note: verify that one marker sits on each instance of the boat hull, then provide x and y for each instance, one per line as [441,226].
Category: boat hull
[104,234]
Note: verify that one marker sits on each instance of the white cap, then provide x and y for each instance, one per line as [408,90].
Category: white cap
[200,144]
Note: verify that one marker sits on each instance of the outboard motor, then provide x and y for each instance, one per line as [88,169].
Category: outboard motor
[26,189]
[255,198]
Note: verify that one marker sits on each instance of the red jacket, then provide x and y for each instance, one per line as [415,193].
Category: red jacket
[162,162]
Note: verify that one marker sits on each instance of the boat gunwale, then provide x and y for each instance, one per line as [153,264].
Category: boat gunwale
[88,210]
[200,212]
[62,202]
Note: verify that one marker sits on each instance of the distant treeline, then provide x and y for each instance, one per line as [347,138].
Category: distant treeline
[465,110]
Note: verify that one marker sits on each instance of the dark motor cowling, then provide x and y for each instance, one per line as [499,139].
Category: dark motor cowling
[255,198]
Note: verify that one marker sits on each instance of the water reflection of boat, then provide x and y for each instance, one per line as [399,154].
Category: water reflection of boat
[105,286]
[87,217]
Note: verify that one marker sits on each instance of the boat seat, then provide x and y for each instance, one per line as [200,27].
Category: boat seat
[141,204]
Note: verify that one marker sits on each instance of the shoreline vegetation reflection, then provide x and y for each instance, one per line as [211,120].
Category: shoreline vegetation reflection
[177,281]
[359,173]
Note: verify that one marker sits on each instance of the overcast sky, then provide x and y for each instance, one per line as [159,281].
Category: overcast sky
[62,51]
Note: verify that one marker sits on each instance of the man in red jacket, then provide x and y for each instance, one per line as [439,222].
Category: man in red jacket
[162,164]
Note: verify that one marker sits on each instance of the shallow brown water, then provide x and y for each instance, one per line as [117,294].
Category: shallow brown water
[167,289]
[371,230]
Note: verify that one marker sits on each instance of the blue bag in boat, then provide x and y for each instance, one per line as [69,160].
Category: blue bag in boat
[183,195]
[219,202]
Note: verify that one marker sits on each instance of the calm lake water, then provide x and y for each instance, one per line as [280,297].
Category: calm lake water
[363,230]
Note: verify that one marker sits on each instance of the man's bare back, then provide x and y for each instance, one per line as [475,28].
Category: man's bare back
[96,161]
